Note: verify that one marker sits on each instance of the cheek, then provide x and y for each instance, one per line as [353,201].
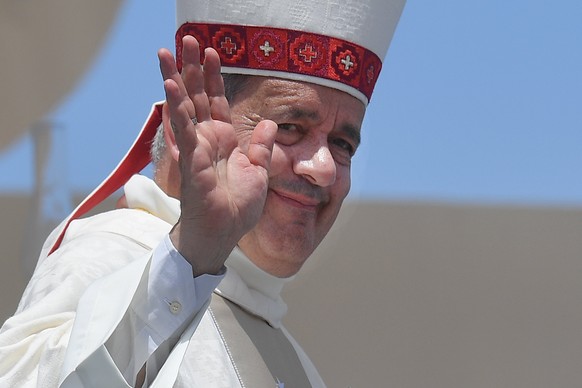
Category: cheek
[281,160]
[343,181]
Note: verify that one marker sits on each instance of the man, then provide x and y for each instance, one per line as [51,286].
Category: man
[244,192]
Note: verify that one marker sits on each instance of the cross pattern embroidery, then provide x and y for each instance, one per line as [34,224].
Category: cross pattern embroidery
[228,45]
[267,48]
[279,49]
[308,53]
[347,62]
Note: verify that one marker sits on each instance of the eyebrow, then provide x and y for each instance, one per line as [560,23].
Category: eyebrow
[353,132]
[298,113]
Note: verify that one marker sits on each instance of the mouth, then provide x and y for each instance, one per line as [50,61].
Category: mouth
[297,200]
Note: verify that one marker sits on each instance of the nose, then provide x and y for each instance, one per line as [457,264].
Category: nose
[317,166]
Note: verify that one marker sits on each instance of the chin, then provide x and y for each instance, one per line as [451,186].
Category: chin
[280,257]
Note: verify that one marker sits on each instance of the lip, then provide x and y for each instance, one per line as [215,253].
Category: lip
[297,200]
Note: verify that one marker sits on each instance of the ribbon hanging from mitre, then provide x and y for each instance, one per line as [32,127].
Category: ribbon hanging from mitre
[135,160]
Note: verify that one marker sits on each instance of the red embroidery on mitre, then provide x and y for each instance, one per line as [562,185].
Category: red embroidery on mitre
[279,49]
[230,42]
[346,62]
[370,72]
[267,48]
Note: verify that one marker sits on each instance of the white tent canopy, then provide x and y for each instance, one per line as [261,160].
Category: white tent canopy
[46,47]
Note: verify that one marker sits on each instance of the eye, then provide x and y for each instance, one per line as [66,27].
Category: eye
[344,146]
[289,134]
[288,127]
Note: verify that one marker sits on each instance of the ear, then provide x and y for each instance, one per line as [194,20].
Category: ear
[169,137]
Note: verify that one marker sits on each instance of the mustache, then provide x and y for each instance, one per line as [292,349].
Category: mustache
[301,187]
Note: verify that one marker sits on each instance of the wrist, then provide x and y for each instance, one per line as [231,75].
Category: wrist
[206,255]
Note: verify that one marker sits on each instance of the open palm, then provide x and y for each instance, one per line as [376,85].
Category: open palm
[223,189]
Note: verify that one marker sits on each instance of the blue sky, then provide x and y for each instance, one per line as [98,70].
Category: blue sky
[479,101]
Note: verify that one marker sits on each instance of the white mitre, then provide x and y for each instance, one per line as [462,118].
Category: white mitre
[335,43]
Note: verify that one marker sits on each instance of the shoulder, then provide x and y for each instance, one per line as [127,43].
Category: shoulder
[94,247]
[135,225]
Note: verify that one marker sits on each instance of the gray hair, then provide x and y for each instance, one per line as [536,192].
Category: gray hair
[234,84]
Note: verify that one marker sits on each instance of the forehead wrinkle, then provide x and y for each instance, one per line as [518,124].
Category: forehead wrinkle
[289,98]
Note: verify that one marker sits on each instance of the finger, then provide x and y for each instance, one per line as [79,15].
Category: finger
[261,144]
[180,110]
[180,106]
[193,76]
[219,108]
[169,70]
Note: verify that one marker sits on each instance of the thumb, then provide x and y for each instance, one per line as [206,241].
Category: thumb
[261,144]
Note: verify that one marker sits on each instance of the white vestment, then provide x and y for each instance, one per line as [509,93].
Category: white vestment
[117,294]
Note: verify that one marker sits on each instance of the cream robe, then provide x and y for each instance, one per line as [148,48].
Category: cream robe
[110,259]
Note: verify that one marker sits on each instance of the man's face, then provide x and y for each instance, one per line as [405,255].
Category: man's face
[319,131]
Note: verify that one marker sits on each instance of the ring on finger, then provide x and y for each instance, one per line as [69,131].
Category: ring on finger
[194,120]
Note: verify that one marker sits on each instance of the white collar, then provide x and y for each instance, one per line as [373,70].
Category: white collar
[245,284]
[255,290]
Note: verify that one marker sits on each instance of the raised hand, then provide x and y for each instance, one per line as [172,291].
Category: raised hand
[223,189]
